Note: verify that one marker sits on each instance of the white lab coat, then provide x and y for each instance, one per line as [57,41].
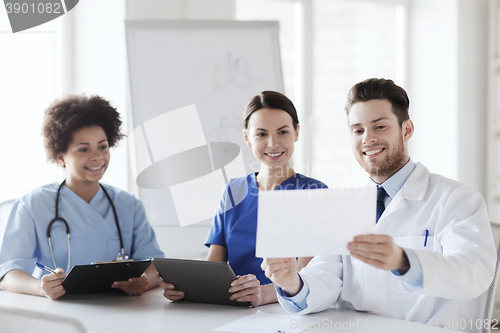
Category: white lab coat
[457,263]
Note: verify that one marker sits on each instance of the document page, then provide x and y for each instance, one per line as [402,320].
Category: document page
[305,223]
[261,322]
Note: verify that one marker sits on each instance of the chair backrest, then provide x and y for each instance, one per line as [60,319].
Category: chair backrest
[14,320]
[5,208]
[492,310]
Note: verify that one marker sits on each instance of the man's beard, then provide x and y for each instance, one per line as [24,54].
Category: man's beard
[389,166]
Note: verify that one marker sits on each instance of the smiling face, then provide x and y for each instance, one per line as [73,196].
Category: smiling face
[378,142]
[87,156]
[271,136]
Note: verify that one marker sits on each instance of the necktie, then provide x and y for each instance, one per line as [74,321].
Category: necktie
[381,193]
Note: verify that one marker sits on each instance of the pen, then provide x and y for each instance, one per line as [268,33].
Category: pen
[426,234]
[42,266]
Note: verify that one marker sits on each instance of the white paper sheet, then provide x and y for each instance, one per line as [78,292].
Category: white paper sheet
[305,223]
[261,322]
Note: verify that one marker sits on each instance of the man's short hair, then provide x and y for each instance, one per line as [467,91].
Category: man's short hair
[371,89]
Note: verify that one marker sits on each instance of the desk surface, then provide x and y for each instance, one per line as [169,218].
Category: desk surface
[152,313]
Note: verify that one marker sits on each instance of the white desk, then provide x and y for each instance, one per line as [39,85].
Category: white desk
[152,313]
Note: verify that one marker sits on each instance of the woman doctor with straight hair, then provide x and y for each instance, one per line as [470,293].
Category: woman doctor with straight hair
[271,128]
[80,220]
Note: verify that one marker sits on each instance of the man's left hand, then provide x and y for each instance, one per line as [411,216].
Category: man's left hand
[379,251]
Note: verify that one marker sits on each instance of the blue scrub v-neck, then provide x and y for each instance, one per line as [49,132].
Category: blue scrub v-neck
[235,228]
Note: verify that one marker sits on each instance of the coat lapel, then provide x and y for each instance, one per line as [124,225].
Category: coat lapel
[413,189]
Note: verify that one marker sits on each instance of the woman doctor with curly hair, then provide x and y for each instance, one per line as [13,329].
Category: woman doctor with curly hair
[104,222]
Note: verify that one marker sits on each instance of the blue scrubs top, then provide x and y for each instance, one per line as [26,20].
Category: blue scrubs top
[235,225]
[94,236]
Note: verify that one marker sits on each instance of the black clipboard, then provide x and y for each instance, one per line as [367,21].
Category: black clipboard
[97,278]
[201,281]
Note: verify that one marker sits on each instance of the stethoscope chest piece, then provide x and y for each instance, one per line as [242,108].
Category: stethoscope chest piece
[121,255]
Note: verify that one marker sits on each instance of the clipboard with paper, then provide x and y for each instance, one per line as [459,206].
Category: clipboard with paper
[98,277]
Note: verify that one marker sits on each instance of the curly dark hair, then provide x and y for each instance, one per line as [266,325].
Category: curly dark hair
[74,112]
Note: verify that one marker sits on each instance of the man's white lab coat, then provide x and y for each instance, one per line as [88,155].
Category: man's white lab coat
[457,262]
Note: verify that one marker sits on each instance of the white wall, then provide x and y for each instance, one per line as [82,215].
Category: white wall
[180,9]
[433,89]
[447,87]
[472,92]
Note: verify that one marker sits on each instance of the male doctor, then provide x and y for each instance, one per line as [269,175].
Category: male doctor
[432,258]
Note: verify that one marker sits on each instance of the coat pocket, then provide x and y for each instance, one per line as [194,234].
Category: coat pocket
[418,242]
[428,243]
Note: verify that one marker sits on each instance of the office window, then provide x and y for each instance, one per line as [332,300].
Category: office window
[29,71]
[351,40]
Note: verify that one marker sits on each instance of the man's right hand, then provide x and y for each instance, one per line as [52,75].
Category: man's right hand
[283,273]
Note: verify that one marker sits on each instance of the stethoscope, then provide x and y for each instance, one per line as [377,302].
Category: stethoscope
[120,256]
